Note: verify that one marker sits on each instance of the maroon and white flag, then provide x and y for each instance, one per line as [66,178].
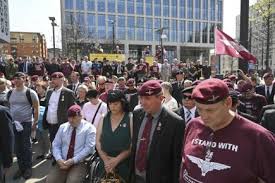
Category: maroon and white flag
[225,45]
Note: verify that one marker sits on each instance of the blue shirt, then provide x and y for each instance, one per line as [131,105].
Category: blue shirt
[84,141]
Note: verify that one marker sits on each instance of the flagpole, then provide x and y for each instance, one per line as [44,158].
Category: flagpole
[219,56]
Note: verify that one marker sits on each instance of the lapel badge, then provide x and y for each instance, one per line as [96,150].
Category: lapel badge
[124,125]
[62,99]
[159,127]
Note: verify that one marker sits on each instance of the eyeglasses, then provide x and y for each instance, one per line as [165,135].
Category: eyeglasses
[187,97]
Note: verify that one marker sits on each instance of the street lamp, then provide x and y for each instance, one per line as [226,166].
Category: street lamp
[53,25]
[113,26]
[162,36]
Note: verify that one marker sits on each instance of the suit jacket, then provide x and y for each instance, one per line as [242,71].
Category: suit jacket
[176,93]
[6,138]
[261,91]
[164,157]
[181,113]
[66,100]
[70,86]
[268,120]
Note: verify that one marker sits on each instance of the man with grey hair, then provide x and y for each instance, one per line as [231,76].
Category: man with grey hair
[3,91]
[165,70]
[169,102]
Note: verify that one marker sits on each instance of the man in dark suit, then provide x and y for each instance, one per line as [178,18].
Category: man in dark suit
[267,90]
[178,86]
[58,101]
[75,77]
[157,139]
[188,110]
[6,141]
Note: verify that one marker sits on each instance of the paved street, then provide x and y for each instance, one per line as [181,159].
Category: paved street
[40,170]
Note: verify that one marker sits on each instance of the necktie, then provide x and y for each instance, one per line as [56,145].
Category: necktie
[143,146]
[188,116]
[70,153]
[267,92]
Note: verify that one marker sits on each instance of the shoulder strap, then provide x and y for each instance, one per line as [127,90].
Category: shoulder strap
[96,112]
[9,95]
[28,95]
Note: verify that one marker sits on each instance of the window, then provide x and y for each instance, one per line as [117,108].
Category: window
[101,5]
[111,6]
[157,26]
[205,9]
[182,31]
[212,34]
[174,30]
[101,26]
[165,9]
[174,11]
[190,31]
[139,7]
[130,7]
[91,5]
[69,4]
[110,21]
[121,34]
[182,9]
[197,9]
[190,9]
[197,32]
[166,24]
[80,4]
[212,10]
[220,10]
[69,18]
[91,24]
[131,27]
[157,10]
[149,29]
[80,21]
[121,6]
[149,6]
[204,32]
[140,28]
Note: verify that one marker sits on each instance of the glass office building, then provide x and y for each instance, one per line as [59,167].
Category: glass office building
[188,25]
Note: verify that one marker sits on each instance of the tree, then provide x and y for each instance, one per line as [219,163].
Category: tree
[264,16]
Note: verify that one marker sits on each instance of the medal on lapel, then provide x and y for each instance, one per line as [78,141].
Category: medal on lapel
[62,98]
[159,127]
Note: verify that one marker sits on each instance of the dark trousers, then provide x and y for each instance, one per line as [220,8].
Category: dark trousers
[52,131]
[23,147]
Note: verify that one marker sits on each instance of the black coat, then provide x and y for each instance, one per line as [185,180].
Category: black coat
[66,100]
[176,93]
[163,163]
[268,120]
[261,91]
[6,138]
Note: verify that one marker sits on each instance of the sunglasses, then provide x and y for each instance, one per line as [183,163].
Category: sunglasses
[187,97]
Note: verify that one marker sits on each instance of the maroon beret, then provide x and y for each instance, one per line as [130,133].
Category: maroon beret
[74,110]
[232,77]
[149,88]
[247,86]
[34,78]
[210,91]
[57,75]
[130,81]
[267,75]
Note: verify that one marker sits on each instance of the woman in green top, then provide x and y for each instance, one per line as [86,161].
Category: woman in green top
[113,137]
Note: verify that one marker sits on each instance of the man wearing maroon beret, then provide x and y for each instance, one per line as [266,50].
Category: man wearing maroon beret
[58,100]
[268,89]
[157,139]
[221,146]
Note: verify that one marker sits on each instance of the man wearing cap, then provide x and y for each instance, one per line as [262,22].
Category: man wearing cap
[58,100]
[250,102]
[178,86]
[188,110]
[221,146]
[74,141]
[157,139]
[24,108]
[268,89]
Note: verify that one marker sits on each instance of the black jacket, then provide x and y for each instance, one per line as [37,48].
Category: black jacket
[163,163]
[181,113]
[261,91]
[6,138]
[268,120]
[66,100]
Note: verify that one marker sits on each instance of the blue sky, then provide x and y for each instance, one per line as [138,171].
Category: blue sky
[32,16]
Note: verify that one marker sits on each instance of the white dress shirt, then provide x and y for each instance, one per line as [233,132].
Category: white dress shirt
[84,141]
[193,111]
[270,89]
[53,106]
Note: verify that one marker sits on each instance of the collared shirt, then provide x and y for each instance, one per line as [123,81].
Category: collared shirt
[142,175]
[193,111]
[53,106]
[84,141]
[270,89]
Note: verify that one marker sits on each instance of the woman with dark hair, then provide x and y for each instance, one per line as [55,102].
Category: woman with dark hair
[113,137]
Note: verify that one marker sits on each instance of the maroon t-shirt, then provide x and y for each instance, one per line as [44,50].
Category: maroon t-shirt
[239,153]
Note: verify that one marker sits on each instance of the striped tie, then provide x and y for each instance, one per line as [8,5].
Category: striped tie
[188,116]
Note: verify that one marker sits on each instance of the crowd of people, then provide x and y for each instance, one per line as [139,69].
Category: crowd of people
[149,123]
